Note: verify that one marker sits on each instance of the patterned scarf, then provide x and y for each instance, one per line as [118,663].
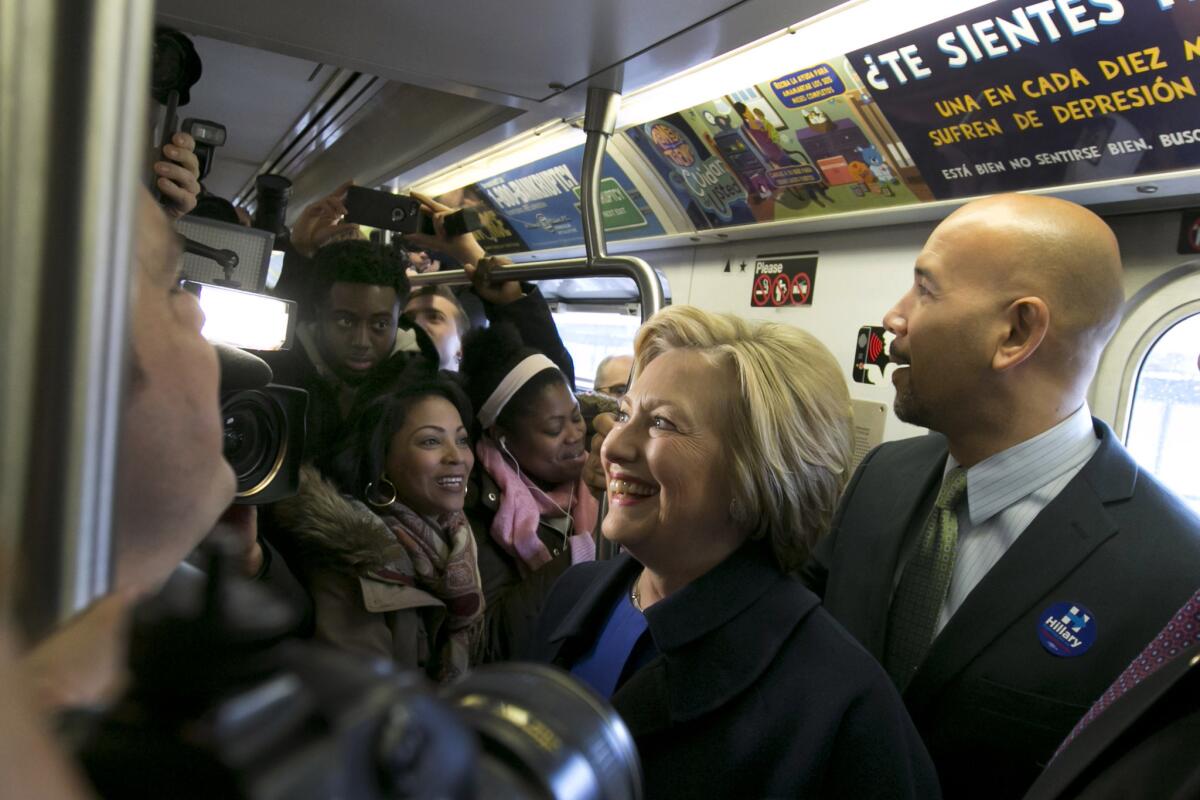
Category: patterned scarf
[441,560]
[522,505]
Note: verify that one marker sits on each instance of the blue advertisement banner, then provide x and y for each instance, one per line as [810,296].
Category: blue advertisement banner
[540,202]
[1017,95]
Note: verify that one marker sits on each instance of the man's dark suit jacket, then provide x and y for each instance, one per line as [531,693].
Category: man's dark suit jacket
[990,702]
[1147,744]
[755,693]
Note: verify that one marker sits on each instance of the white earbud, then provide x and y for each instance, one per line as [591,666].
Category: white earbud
[507,452]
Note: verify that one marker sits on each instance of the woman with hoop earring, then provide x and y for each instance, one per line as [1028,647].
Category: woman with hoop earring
[391,563]
[533,516]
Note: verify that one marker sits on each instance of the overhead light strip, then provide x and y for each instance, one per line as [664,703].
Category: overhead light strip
[547,140]
[825,36]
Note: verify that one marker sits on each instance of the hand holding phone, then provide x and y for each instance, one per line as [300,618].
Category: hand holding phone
[445,234]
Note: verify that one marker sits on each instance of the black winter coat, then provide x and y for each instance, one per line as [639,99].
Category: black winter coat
[513,598]
[757,691]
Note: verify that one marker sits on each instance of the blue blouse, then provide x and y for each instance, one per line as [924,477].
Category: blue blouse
[623,647]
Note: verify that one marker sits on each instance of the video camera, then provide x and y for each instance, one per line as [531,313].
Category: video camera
[222,704]
[263,423]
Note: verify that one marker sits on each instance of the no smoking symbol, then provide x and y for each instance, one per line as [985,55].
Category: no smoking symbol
[762,290]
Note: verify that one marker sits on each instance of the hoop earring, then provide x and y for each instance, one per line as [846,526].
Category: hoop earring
[371,486]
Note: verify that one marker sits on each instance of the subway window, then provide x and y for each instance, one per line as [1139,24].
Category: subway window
[591,336]
[1164,423]
[596,317]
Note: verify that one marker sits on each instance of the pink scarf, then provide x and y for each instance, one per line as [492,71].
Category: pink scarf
[522,504]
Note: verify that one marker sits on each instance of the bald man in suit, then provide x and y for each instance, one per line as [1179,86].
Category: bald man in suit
[1008,566]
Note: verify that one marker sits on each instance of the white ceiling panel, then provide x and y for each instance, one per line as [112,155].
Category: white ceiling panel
[257,96]
[493,50]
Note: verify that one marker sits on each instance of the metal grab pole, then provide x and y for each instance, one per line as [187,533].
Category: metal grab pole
[649,287]
[74,80]
[599,122]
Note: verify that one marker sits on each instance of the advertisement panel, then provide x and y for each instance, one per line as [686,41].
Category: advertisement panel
[1021,95]
[701,182]
[805,144]
[1005,97]
[540,202]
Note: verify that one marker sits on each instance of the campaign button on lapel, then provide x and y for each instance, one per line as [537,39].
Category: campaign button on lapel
[1067,630]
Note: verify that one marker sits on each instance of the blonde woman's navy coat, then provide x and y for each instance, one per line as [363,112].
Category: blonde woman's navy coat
[756,691]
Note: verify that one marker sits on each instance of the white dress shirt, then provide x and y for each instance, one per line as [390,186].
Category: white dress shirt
[1006,491]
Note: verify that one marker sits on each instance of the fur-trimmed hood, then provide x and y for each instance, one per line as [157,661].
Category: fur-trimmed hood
[329,530]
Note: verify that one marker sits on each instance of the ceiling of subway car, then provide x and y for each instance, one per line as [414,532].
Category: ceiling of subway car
[267,101]
[511,50]
[455,76]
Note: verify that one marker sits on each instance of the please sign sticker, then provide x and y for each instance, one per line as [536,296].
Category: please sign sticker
[784,280]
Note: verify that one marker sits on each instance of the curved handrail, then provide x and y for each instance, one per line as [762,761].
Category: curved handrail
[649,287]
[599,122]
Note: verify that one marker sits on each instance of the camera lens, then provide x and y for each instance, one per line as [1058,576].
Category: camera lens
[273,191]
[544,735]
[255,439]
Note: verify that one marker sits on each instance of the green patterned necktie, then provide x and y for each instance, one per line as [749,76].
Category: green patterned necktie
[923,586]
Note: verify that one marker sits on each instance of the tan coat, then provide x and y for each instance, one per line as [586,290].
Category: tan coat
[334,542]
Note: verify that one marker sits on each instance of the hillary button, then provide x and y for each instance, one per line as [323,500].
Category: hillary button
[1067,630]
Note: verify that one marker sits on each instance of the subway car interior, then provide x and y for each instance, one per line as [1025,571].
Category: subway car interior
[753,398]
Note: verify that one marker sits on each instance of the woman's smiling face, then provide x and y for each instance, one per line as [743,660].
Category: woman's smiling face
[667,463]
[548,441]
[429,458]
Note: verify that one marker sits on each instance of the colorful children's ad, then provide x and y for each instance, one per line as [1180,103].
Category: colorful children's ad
[1016,95]
[709,193]
[808,143]
[540,202]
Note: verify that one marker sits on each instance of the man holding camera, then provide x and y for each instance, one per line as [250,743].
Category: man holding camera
[173,483]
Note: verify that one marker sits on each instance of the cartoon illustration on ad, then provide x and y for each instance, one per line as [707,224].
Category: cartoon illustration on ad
[708,192]
[807,143]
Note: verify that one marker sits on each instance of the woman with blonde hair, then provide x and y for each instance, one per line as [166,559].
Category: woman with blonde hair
[724,469]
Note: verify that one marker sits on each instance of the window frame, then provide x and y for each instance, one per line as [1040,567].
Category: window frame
[1156,308]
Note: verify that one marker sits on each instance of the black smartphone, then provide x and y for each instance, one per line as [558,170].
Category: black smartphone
[378,209]
[403,214]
